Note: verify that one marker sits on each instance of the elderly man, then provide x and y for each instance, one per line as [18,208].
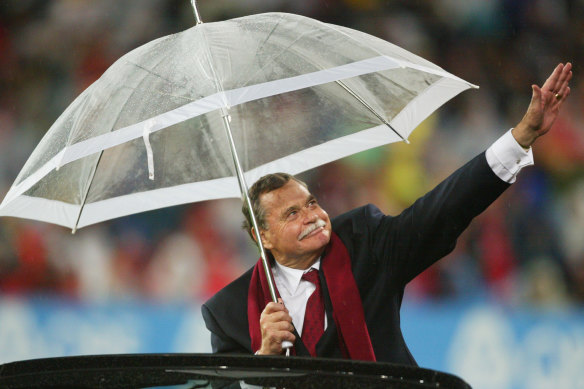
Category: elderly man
[341,282]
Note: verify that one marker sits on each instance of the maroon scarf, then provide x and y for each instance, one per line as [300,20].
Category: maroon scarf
[347,308]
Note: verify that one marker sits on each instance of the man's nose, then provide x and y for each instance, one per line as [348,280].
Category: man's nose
[310,217]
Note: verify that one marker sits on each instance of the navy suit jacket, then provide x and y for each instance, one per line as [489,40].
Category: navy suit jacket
[386,253]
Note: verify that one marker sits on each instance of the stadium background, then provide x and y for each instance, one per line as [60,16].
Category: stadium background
[504,310]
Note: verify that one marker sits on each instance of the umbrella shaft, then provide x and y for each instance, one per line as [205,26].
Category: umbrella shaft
[196,12]
[244,191]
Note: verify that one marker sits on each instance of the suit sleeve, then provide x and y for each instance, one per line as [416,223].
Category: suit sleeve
[220,341]
[428,230]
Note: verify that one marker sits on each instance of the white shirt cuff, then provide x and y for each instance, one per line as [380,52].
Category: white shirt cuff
[506,157]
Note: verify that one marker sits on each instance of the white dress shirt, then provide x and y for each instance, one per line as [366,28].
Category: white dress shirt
[505,157]
[295,291]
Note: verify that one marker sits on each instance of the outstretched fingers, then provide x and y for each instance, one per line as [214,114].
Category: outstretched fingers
[563,88]
[557,82]
[544,106]
[553,81]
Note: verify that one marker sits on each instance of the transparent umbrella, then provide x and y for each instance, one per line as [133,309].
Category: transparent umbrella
[195,115]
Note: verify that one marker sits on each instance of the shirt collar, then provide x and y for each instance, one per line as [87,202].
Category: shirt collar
[291,277]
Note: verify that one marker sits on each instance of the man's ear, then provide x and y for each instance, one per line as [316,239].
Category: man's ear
[253,234]
[265,240]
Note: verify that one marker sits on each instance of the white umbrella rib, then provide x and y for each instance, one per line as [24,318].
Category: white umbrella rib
[94,170]
[86,192]
[370,108]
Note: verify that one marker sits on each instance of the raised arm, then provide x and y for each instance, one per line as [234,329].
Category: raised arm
[428,229]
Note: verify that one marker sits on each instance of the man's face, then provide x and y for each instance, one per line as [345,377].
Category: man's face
[298,228]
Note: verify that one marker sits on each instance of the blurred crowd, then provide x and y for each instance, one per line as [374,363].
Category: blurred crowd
[528,248]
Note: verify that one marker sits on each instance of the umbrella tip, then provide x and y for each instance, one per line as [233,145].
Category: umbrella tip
[196,13]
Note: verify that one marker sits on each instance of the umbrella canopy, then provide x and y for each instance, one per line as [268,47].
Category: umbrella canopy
[150,133]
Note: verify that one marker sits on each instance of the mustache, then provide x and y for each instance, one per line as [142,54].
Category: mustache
[317,224]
